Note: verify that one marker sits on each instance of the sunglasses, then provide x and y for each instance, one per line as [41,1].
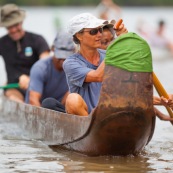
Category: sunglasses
[95,31]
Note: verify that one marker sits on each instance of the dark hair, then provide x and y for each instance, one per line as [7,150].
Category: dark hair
[76,40]
[110,28]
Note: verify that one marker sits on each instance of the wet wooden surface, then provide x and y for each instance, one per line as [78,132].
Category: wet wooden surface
[49,126]
[122,123]
[124,120]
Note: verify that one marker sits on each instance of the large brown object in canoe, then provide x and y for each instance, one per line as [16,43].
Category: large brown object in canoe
[122,123]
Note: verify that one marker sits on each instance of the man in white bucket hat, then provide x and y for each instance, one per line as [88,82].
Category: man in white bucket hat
[20,50]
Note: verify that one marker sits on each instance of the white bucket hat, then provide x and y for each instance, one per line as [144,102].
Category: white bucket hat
[81,21]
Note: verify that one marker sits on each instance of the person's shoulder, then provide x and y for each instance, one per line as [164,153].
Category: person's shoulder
[38,41]
[4,38]
[72,60]
[33,35]
[42,64]
[72,57]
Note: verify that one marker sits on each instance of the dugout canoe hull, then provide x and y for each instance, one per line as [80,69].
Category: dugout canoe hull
[124,120]
[122,123]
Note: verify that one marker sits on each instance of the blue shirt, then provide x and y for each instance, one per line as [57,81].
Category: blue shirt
[47,81]
[76,68]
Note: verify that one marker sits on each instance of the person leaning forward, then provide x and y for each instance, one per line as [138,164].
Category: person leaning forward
[84,69]
[20,49]
[48,85]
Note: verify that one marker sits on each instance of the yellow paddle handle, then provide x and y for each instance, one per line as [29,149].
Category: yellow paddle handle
[162,92]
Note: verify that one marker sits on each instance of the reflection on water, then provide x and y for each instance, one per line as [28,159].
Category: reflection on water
[19,154]
[108,164]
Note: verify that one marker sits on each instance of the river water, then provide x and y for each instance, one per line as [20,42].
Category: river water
[20,154]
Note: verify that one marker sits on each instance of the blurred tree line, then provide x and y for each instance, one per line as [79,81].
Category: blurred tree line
[87,2]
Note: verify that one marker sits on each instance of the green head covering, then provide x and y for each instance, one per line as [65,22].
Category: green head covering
[130,52]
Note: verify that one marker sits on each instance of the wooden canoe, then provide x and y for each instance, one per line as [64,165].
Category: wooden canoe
[122,123]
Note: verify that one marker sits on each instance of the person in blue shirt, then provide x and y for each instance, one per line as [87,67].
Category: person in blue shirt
[84,70]
[47,78]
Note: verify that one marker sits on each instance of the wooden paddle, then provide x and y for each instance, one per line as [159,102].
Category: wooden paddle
[162,92]
[118,23]
[11,85]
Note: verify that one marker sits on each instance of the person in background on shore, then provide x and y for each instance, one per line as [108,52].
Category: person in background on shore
[84,70]
[107,9]
[159,39]
[47,78]
[156,38]
[20,50]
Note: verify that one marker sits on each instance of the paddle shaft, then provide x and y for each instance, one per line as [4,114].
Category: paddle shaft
[117,24]
[11,85]
[162,92]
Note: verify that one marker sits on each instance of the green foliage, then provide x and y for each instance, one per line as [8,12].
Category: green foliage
[87,2]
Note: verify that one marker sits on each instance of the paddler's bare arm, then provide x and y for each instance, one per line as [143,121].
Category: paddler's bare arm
[167,102]
[163,101]
[170,101]
[157,100]
[96,75]
[34,98]
[44,54]
[162,116]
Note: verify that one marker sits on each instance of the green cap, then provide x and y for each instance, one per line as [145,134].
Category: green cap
[130,52]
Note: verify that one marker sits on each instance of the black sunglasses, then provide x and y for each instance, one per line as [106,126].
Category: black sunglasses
[95,31]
